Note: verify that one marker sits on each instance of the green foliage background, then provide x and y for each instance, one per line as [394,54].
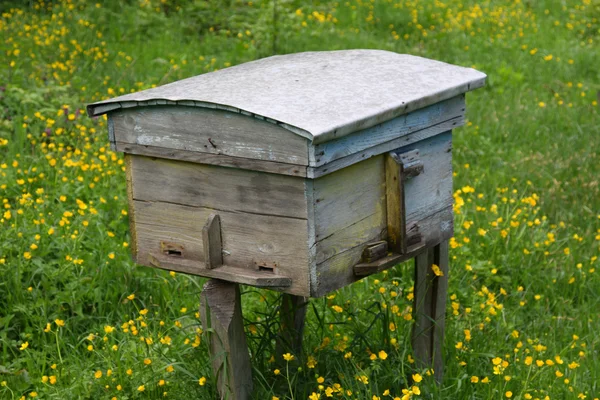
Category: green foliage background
[523,317]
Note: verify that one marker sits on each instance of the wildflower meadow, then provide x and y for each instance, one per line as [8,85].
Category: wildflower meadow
[78,319]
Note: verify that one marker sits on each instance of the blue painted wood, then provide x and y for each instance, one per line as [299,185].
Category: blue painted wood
[400,126]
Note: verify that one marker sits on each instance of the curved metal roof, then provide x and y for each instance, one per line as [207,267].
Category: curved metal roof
[319,95]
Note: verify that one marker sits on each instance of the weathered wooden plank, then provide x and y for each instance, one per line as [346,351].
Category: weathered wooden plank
[431,191]
[219,188]
[225,272]
[428,211]
[347,196]
[316,172]
[248,239]
[131,206]
[213,159]
[221,315]
[211,241]
[209,131]
[393,129]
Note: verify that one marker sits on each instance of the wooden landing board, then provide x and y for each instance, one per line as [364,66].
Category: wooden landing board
[209,131]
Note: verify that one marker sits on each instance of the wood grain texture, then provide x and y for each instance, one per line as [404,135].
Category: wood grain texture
[396,128]
[212,243]
[394,195]
[221,315]
[430,293]
[316,172]
[247,239]
[212,159]
[209,131]
[219,188]
[224,272]
[428,207]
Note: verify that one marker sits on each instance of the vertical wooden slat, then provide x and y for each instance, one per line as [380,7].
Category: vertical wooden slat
[430,309]
[395,203]
[440,291]
[211,239]
[422,329]
[221,314]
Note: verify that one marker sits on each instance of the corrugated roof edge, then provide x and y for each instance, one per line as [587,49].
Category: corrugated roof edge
[106,106]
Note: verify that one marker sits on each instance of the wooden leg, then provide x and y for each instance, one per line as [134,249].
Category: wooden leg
[430,308]
[221,314]
[292,315]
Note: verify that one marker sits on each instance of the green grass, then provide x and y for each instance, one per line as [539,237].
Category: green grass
[523,280]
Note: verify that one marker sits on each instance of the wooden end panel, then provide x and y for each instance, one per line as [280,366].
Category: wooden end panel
[207,131]
[253,242]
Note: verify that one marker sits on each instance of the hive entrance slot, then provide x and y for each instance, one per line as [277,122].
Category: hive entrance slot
[265,268]
[171,249]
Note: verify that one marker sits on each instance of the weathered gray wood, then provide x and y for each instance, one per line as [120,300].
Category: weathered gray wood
[212,244]
[396,128]
[213,159]
[347,196]
[372,267]
[221,315]
[292,315]
[422,335]
[247,239]
[430,292]
[226,272]
[324,95]
[428,213]
[209,131]
[316,172]
[219,188]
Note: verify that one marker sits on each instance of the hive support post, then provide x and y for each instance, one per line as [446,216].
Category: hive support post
[221,314]
[292,314]
[430,308]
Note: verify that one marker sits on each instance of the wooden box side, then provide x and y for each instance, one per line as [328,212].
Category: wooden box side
[208,136]
[351,211]
[263,219]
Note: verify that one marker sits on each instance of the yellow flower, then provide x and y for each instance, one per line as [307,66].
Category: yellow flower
[417,378]
[416,390]
[24,346]
[288,357]
[129,371]
[141,388]
[27,255]
[33,394]
[48,327]
[147,361]
[276,372]
[59,322]
[436,270]
[131,296]
[383,355]
[314,396]
[170,368]
[52,379]
[108,329]
[508,394]
[202,381]
[312,362]
[98,374]
[337,309]
[474,379]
